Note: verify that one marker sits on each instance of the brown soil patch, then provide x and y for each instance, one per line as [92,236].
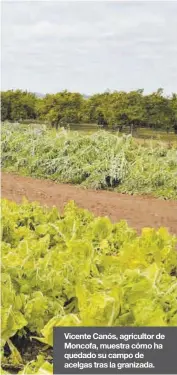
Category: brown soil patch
[138,211]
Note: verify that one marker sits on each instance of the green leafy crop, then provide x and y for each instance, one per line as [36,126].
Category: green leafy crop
[100,161]
[76,269]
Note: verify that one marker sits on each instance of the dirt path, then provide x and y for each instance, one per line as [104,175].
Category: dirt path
[137,210]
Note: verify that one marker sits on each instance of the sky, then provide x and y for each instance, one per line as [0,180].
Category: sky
[89,46]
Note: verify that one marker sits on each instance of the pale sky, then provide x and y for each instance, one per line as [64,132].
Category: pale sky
[89,46]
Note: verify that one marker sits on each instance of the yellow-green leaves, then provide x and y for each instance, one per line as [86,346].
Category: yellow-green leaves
[78,270]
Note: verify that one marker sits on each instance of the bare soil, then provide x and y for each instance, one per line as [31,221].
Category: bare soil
[138,211]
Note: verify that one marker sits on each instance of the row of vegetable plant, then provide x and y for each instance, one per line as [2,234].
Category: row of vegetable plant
[72,268]
[99,161]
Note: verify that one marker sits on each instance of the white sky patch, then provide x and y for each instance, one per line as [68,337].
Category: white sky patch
[89,46]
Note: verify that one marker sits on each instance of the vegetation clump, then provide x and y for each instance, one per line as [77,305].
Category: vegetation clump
[100,160]
[111,110]
[74,269]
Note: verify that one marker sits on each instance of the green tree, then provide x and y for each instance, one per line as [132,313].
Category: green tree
[62,108]
[159,113]
[18,105]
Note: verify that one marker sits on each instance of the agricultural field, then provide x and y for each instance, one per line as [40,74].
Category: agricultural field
[139,211]
[81,267]
[88,184]
[77,269]
[99,161]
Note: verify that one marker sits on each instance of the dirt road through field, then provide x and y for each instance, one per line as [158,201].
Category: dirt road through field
[137,210]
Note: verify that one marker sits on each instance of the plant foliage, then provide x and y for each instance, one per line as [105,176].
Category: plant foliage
[114,110]
[81,270]
[99,161]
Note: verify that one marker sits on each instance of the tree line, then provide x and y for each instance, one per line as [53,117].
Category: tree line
[114,110]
